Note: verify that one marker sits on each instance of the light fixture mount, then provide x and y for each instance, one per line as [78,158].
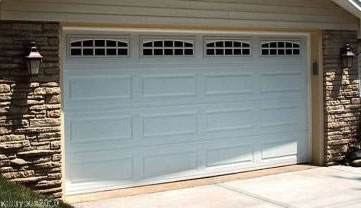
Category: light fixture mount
[33,60]
[347,56]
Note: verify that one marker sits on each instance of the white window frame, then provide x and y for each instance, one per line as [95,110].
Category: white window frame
[265,41]
[144,40]
[210,40]
[75,38]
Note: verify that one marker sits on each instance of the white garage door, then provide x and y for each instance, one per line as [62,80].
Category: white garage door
[146,108]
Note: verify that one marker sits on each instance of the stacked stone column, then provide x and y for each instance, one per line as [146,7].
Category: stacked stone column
[30,107]
[341,97]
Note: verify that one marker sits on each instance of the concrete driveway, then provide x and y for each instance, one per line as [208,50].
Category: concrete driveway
[333,187]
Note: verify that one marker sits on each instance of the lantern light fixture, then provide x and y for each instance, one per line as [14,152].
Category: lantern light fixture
[347,56]
[34,60]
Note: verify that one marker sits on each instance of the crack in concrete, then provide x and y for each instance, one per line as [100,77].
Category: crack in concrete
[255,196]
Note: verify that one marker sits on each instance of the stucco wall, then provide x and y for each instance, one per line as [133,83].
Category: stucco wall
[341,97]
[30,107]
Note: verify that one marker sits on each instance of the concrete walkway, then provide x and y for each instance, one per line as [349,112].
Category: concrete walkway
[333,187]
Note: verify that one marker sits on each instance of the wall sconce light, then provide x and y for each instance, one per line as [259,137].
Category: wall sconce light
[34,60]
[347,56]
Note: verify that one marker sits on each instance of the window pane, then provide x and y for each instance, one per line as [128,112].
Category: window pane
[296,51]
[289,52]
[289,45]
[229,52]
[210,52]
[281,44]
[273,52]
[281,51]
[100,52]
[178,52]
[210,45]
[158,44]
[148,44]
[188,52]
[111,52]
[246,52]
[186,44]
[87,52]
[122,44]
[168,44]
[168,52]
[273,45]
[296,45]
[219,44]
[237,44]
[178,44]
[111,43]
[237,52]
[147,52]
[158,52]
[122,52]
[219,52]
[88,43]
[100,43]
[228,44]
[245,45]
[78,43]
[265,45]
[75,52]
[265,52]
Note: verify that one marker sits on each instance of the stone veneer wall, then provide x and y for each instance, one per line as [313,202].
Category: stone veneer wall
[30,122]
[341,97]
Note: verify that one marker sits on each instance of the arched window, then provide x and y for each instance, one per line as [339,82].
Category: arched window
[228,48]
[99,47]
[280,48]
[168,48]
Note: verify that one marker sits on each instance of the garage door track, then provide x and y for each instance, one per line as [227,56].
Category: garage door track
[332,187]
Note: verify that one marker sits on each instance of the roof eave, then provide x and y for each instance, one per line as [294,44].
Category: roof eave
[351,6]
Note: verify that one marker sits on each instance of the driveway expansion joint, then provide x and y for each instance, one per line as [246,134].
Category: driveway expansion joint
[255,196]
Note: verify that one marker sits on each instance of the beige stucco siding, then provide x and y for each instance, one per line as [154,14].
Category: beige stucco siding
[310,14]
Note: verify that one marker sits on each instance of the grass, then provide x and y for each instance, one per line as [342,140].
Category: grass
[17,196]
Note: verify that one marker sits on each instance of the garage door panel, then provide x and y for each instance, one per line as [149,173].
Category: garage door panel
[281,116]
[279,149]
[229,155]
[169,85]
[109,165]
[109,170]
[92,88]
[95,91]
[169,124]
[284,147]
[100,129]
[229,84]
[286,83]
[169,164]
[230,119]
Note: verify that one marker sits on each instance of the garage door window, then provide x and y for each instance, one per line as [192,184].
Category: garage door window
[228,48]
[280,48]
[168,48]
[99,47]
